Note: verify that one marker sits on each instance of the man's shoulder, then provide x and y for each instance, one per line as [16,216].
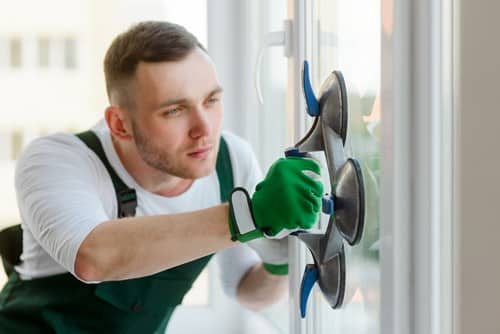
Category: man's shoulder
[58,149]
[57,143]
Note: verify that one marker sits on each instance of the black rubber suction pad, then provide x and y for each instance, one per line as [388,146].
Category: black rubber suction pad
[332,279]
[350,201]
[333,103]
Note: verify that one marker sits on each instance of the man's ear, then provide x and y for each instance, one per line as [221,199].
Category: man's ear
[119,122]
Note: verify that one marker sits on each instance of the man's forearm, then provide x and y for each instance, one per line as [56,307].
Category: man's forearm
[140,246]
[258,288]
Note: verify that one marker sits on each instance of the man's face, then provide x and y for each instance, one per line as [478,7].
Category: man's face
[177,117]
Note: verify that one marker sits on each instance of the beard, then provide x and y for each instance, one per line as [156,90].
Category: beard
[163,161]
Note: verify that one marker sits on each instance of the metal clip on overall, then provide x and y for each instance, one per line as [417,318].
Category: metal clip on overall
[346,204]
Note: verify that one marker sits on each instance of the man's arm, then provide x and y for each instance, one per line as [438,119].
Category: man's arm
[258,288]
[134,247]
[140,246]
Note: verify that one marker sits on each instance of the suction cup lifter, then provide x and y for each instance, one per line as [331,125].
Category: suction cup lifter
[346,204]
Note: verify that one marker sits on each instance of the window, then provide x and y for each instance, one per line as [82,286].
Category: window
[17,144]
[15,52]
[43,52]
[70,53]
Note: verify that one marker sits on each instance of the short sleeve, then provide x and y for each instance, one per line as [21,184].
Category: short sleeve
[59,195]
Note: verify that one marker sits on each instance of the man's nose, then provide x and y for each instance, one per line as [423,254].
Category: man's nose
[200,123]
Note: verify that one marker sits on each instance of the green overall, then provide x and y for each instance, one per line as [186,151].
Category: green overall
[63,304]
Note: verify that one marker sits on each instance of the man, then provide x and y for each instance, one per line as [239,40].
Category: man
[87,267]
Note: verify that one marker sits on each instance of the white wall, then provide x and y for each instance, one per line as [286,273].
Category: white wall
[477,243]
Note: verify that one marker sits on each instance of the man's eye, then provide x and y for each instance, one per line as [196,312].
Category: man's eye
[172,112]
[213,100]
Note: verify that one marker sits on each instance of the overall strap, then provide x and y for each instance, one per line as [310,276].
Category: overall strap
[127,198]
[224,171]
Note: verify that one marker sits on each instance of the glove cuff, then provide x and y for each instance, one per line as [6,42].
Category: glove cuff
[276,269]
[241,221]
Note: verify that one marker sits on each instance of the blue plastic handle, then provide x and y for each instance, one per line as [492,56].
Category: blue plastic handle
[328,204]
[294,152]
[310,277]
[311,100]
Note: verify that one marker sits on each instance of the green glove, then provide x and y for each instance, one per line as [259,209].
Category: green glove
[273,253]
[289,198]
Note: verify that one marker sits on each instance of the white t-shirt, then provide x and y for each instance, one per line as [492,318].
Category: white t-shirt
[64,191]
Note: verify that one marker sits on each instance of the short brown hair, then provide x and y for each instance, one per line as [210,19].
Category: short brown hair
[150,41]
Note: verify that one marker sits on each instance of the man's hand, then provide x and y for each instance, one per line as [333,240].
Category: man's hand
[289,198]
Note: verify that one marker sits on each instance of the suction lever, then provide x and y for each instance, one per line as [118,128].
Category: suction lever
[309,278]
[328,269]
[311,101]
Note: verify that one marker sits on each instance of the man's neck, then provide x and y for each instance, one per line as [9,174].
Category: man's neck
[149,178]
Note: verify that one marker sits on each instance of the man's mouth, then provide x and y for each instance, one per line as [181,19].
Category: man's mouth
[200,153]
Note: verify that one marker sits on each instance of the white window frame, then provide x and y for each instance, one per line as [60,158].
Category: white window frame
[417,156]
[300,14]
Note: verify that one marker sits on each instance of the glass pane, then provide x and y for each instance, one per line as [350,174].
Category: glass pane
[346,38]
[43,52]
[15,52]
[70,53]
